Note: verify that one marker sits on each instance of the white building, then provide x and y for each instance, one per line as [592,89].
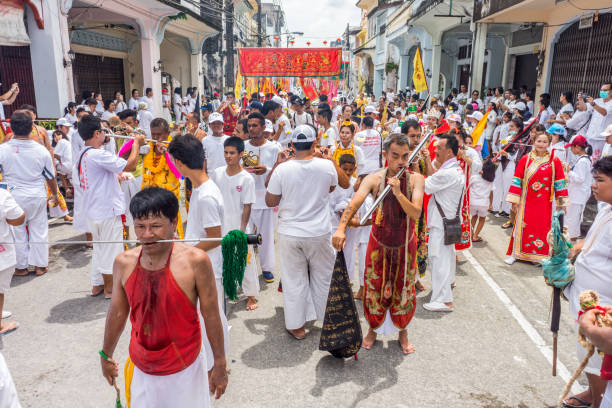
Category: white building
[78,45]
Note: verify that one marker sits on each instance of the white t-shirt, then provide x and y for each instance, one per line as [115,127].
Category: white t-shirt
[206,211]
[545,116]
[237,190]
[599,122]
[102,196]
[213,150]
[480,190]
[26,165]
[9,209]
[120,106]
[71,118]
[285,137]
[337,111]
[370,142]
[580,180]
[329,137]
[64,151]
[107,115]
[268,154]
[566,108]
[149,102]
[304,186]
[144,121]
[303,119]
[133,104]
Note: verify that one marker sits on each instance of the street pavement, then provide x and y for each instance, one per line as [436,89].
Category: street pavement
[490,352]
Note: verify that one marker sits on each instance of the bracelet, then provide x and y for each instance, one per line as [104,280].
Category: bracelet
[104,355]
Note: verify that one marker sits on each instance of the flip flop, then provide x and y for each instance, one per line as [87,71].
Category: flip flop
[583,403]
[12,329]
[97,294]
[26,273]
[45,270]
[296,337]
[477,240]
[507,225]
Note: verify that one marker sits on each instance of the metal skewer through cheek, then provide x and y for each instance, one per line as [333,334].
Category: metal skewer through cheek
[110,133]
[384,193]
[252,239]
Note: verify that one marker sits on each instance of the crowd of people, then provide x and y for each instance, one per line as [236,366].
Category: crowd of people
[303,174]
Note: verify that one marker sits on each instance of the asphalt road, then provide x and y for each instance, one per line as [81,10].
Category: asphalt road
[492,351]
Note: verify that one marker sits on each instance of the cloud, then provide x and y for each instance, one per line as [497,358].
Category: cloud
[320,20]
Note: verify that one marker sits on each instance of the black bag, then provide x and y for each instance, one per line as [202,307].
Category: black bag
[341,333]
[452,227]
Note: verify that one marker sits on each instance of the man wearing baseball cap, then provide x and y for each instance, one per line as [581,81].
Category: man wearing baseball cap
[213,143]
[64,126]
[300,187]
[371,111]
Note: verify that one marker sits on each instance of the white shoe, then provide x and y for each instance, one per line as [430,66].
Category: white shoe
[437,307]
[510,260]
[6,314]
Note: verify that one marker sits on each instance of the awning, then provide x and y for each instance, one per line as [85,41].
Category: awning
[12,27]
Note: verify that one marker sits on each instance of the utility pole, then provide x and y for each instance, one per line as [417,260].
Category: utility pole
[348,47]
[229,44]
[259,33]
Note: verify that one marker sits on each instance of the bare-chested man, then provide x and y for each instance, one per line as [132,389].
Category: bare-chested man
[159,285]
[391,263]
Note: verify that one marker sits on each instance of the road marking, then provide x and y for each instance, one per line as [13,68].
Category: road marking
[527,327]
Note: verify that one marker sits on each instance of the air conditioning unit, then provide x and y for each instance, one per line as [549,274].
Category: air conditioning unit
[586,22]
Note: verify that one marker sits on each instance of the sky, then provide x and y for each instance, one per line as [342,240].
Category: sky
[320,20]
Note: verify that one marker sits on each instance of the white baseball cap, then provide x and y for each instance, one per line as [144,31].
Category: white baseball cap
[370,109]
[215,117]
[607,132]
[63,122]
[476,115]
[277,99]
[454,117]
[303,134]
[269,126]
[520,106]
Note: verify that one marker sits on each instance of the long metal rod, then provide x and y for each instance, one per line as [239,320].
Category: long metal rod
[384,193]
[113,134]
[252,239]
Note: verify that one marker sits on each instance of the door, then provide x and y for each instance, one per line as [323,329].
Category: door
[525,71]
[98,74]
[16,66]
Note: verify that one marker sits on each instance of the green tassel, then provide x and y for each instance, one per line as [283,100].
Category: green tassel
[235,250]
[558,269]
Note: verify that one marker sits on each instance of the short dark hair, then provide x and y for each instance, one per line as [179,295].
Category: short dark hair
[21,124]
[134,90]
[451,142]
[124,114]
[91,101]
[28,108]
[236,142]
[148,90]
[368,121]
[302,146]
[323,98]
[601,166]
[160,123]
[107,103]
[88,126]
[347,159]
[257,115]
[269,106]
[410,124]
[395,138]
[154,201]
[189,150]
[79,110]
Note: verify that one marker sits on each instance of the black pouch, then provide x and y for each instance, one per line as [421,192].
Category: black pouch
[452,227]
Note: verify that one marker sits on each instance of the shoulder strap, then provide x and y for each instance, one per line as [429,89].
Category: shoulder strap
[458,206]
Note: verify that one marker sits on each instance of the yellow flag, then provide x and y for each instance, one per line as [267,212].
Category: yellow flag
[238,87]
[477,134]
[418,76]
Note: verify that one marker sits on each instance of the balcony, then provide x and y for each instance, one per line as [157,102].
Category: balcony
[486,8]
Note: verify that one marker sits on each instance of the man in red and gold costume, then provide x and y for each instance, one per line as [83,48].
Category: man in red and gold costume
[391,262]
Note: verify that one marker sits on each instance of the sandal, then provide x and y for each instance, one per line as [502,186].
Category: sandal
[507,224]
[583,403]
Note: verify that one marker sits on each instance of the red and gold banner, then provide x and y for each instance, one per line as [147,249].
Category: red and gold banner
[289,62]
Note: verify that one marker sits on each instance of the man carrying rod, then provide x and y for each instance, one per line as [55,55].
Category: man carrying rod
[159,286]
[391,263]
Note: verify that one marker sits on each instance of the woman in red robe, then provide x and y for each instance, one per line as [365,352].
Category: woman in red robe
[538,179]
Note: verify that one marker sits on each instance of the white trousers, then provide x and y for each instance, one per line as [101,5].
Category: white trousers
[187,388]
[443,265]
[362,249]
[130,188]
[35,209]
[264,220]
[250,282]
[573,219]
[306,266]
[352,238]
[108,229]
[8,392]
[606,402]
[224,324]
[502,182]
